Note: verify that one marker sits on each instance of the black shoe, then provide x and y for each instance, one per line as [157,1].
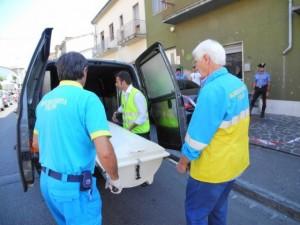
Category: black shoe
[262,115]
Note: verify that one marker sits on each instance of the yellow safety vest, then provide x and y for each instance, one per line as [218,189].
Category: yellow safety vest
[130,113]
[167,116]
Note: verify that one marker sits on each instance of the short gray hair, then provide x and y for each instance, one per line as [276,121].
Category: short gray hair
[213,49]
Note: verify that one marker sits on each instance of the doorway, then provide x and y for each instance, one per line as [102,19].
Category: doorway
[234,59]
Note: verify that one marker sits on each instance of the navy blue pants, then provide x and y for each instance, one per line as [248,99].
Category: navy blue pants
[206,203]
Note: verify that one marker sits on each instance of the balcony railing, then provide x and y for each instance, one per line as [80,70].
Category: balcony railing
[105,46]
[133,30]
[185,10]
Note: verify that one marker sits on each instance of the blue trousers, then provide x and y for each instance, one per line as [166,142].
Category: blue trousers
[68,204]
[206,203]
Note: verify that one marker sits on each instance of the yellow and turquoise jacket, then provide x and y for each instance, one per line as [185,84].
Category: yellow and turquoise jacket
[216,142]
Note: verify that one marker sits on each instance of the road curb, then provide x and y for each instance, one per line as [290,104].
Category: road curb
[285,206]
[265,197]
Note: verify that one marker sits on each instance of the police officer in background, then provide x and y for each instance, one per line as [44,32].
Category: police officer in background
[261,86]
[70,129]
[133,106]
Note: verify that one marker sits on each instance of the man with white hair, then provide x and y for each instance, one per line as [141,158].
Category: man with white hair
[216,143]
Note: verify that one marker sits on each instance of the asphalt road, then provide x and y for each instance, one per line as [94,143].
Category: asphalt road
[160,203]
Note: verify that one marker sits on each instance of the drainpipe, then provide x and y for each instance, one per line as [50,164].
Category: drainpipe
[283,83]
[290,29]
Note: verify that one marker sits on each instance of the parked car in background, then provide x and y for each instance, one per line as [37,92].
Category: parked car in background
[1,104]
[5,98]
[15,97]
[189,91]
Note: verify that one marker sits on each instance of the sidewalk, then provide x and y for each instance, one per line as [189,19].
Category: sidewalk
[277,132]
[273,177]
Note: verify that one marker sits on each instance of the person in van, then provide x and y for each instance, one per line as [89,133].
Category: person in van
[70,129]
[133,106]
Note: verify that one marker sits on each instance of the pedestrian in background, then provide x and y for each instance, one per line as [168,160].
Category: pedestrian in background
[133,106]
[70,129]
[179,74]
[261,87]
[216,144]
[195,76]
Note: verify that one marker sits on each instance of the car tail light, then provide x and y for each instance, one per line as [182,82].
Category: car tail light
[188,106]
[189,103]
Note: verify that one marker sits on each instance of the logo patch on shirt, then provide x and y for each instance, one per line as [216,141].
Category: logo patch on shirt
[51,104]
[239,93]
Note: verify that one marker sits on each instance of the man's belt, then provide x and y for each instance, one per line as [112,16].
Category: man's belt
[264,86]
[59,176]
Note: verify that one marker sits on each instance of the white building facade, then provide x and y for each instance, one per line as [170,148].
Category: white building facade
[82,43]
[120,30]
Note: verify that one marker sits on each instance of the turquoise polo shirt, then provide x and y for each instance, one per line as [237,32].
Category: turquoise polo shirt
[67,120]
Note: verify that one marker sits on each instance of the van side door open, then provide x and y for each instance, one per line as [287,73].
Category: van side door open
[166,107]
[29,98]
[152,74]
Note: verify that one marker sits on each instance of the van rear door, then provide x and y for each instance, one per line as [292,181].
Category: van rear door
[26,109]
[161,89]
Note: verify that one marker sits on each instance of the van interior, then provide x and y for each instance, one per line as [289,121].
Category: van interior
[100,80]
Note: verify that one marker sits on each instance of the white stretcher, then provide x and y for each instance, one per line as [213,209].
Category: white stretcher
[138,158]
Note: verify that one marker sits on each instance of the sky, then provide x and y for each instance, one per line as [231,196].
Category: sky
[23,21]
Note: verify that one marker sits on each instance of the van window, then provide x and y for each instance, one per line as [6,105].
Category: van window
[46,83]
[157,79]
[186,84]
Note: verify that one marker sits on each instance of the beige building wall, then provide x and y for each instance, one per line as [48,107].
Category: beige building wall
[110,14]
[128,53]
[83,44]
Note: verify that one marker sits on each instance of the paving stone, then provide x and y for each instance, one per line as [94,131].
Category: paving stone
[278,132]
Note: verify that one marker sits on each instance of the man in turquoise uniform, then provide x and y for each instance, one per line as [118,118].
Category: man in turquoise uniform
[216,143]
[70,129]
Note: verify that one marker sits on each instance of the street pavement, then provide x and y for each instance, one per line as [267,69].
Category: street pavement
[273,177]
[16,207]
[160,203]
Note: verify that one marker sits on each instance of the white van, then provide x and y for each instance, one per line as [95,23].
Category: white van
[151,73]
